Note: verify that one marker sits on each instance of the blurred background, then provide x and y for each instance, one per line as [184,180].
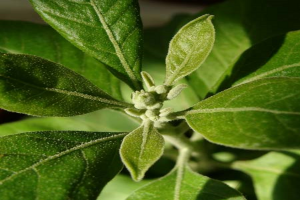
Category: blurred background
[154,12]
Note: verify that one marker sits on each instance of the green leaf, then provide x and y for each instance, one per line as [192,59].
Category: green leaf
[275,175]
[238,27]
[57,165]
[35,86]
[186,185]
[263,114]
[95,121]
[275,57]
[43,41]
[189,48]
[120,188]
[141,149]
[109,30]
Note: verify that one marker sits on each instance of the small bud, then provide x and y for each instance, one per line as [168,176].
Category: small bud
[155,106]
[148,80]
[167,118]
[161,89]
[151,113]
[164,112]
[134,112]
[174,92]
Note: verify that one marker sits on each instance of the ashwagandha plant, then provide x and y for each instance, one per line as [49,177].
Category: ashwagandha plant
[249,99]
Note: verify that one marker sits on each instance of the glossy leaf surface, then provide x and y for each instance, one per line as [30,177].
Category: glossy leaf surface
[263,114]
[43,41]
[35,86]
[191,186]
[57,165]
[276,175]
[141,149]
[189,48]
[95,121]
[109,30]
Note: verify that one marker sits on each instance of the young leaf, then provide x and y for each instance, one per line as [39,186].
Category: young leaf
[57,165]
[43,41]
[186,185]
[111,31]
[140,149]
[189,48]
[276,175]
[280,58]
[263,114]
[35,86]
[95,121]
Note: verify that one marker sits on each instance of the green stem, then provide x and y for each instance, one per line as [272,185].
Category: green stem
[183,158]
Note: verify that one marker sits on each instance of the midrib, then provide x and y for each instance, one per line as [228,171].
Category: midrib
[116,46]
[77,94]
[279,69]
[243,109]
[81,146]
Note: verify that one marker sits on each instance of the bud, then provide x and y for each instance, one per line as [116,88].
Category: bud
[161,89]
[148,80]
[166,111]
[174,92]
[133,112]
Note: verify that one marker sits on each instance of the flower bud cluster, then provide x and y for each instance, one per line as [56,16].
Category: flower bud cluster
[148,104]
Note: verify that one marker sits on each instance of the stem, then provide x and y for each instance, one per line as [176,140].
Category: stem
[175,136]
[183,158]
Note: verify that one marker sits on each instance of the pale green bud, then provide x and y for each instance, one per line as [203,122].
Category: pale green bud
[134,112]
[166,111]
[174,92]
[148,80]
[161,89]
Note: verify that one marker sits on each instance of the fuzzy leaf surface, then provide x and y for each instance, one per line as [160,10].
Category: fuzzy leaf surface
[109,30]
[263,114]
[42,41]
[189,48]
[57,165]
[141,149]
[276,175]
[35,86]
[190,186]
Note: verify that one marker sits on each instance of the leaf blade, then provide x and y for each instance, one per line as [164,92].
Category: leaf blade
[194,42]
[39,87]
[274,173]
[84,22]
[16,37]
[37,150]
[141,149]
[193,186]
[263,114]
